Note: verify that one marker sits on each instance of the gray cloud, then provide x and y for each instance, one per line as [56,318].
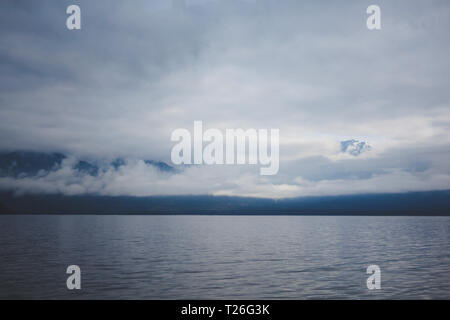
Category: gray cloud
[134,73]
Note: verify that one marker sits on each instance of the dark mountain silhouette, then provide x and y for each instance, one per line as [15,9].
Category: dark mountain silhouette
[86,167]
[22,163]
[25,163]
[160,165]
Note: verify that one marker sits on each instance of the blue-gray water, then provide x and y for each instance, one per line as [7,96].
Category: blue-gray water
[224,257]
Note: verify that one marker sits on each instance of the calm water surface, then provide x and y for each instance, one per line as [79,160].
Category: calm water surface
[224,257]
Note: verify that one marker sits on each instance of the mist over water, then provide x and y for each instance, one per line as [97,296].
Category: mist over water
[224,257]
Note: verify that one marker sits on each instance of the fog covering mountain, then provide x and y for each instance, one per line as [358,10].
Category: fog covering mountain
[32,164]
[28,164]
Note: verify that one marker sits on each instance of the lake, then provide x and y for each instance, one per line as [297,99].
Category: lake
[224,257]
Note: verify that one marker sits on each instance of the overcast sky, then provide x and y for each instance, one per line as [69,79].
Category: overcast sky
[138,70]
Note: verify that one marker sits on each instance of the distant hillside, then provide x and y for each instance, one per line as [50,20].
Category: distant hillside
[5,210]
[416,203]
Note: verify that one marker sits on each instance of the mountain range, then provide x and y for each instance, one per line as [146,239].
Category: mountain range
[25,164]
